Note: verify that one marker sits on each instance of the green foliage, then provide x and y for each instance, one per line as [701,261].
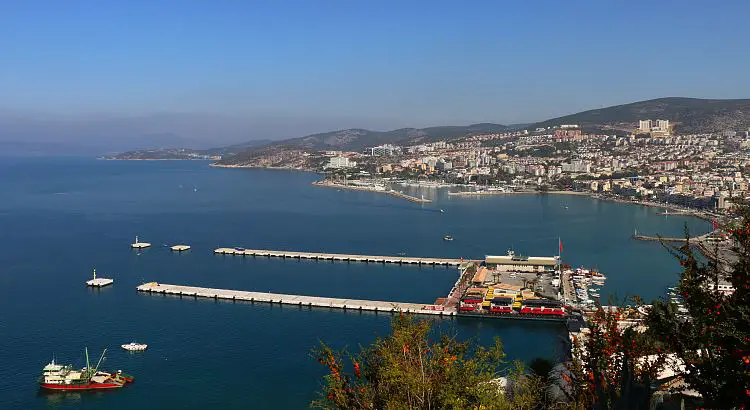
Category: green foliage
[406,370]
[713,340]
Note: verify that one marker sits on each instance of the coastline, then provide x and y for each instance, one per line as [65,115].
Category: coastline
[154,159]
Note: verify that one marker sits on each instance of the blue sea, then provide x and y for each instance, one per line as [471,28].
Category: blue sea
[62,217]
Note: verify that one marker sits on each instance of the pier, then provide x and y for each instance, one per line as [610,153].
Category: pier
[295,300]
[412,260]
[695,239]
[371,189]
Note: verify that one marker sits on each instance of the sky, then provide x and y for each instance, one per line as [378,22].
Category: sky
[383,64]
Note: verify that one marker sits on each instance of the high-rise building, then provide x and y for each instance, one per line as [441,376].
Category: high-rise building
[654,127]
[340,162]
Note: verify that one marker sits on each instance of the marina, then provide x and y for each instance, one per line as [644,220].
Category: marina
[340,257]
[294,300]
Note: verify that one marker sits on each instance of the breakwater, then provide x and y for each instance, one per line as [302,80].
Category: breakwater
[371,189]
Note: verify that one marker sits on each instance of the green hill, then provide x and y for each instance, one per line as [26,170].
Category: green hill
[356,139]
[689,115]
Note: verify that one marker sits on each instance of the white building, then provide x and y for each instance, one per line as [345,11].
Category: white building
[654,126]
[340,162]
[384,150]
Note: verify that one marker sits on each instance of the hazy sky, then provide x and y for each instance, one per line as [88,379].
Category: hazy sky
[381,62]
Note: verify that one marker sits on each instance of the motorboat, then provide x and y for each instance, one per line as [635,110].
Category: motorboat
[135,347]
[447,238]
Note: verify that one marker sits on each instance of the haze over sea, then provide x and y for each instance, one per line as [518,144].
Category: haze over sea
[59,218]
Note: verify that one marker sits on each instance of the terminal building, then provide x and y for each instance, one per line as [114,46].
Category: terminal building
[515,263]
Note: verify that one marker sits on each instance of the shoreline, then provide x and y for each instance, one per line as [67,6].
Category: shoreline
[154,159]
[369,189]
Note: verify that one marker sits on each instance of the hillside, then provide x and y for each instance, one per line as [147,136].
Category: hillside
[690,115]
[357,139]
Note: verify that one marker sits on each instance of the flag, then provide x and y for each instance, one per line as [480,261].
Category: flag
[559,241]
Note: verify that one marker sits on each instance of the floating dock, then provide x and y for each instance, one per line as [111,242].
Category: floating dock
[139,245]
[295,300]
[99,282]
[180,248]
[413,260]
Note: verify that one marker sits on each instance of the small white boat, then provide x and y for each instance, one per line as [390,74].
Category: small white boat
[135,347]
[447,238]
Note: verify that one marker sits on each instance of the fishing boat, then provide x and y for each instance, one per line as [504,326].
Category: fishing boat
[64,378]
[135,347]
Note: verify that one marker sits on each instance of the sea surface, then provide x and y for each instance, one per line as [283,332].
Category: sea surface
[62,217]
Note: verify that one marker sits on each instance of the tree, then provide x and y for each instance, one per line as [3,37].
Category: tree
[608,368]
[713,340]
[406,370]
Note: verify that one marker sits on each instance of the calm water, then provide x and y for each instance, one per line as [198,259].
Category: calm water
[61,217]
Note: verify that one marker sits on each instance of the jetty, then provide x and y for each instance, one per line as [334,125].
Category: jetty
[180,248]
[98,282]
[372,189]
[139,245]
[295,300]
[694,239]
[413,260]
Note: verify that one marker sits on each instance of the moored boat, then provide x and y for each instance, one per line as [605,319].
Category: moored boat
[135,347]
[64,378]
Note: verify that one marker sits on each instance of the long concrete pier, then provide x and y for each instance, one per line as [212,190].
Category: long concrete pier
[669,239]
[371,189]
[413,260]
[295,300]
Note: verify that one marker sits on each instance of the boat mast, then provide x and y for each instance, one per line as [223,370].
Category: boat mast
[88,366]
[99,362]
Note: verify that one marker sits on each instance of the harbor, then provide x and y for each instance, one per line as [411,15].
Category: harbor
[339,257]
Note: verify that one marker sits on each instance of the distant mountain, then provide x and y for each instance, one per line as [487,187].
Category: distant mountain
[355,139]
[690,115]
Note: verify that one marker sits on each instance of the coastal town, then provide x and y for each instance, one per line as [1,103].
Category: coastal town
[651,162]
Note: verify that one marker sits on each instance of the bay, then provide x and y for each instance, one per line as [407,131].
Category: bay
[61,217]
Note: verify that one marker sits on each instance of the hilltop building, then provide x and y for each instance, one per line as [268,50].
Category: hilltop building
[654,127]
